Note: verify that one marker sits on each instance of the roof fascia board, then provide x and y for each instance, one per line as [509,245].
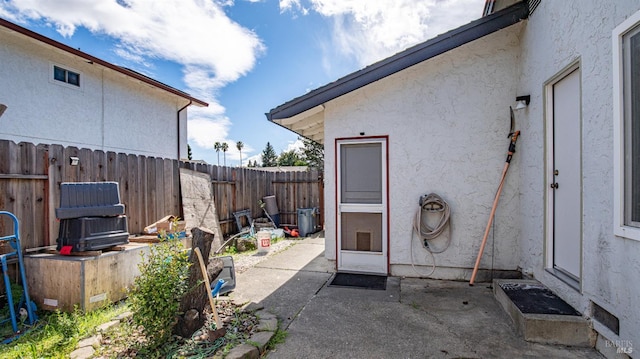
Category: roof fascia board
[34,35]
[412,56]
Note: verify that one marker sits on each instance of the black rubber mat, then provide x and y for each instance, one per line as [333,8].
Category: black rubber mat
[536,299]
[365,281]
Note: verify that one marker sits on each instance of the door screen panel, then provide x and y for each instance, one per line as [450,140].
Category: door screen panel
[361,231]
[362,182]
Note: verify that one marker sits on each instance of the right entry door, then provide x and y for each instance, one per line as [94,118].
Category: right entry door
[565,177]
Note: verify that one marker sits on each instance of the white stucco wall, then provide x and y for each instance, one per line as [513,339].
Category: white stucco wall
[447,120]
[558,33]
[109,112]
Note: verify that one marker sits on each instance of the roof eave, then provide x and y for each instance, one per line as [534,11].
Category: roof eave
[409,57]
[34,35]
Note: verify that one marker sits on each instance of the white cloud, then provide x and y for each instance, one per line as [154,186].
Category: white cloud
[297,146]
[293,6]
[369,31]
[197,34]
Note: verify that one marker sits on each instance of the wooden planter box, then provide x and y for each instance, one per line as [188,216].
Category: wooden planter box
[62,282]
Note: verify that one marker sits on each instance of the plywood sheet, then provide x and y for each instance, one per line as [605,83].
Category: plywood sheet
[198,205]
[62,282]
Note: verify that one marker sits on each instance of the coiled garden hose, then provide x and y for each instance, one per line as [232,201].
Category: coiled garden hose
[429,204]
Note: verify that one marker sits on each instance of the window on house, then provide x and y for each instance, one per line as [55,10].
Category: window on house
[626,46]
[67,76]
[631,100]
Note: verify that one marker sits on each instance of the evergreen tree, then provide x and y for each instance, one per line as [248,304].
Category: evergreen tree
[313,153]
[290,158]
[269,158]
[189,154]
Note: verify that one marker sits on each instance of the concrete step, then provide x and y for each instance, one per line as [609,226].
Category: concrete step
[540,316]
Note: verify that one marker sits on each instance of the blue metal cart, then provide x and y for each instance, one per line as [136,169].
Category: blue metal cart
[25,304]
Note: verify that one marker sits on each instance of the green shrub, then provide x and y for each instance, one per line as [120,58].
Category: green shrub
[156,293]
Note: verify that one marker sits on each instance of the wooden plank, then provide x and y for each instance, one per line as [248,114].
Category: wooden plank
[199,205]
[51,292]
[112,167]
[41,211]
[55,178]
[151,193]
[134,179]
[123,180]
[175,184]
[75,254]
[85,171]
[70,173]
[158,199]
[23,177]
[99,170]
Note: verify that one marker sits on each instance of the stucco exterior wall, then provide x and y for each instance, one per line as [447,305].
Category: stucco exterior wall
[557,34]
[109,112]
[447,121]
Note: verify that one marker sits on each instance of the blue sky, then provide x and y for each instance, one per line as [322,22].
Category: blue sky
[244,57]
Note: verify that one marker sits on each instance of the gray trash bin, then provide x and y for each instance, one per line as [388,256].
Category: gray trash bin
[307,221]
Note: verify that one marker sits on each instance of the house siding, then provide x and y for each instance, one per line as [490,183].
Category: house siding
[109,112]
[447,120]
[558,34]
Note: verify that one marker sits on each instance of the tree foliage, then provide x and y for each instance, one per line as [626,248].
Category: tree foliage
[240,146]
[217,146]
[290,158]
[156,293]
[269,158]
[313,153]
[224,147]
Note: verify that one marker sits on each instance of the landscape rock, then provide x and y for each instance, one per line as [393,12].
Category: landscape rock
[93,341]
[85,353]
[243,351]
[261,339]
[125,315]
[106,326]
[267,325]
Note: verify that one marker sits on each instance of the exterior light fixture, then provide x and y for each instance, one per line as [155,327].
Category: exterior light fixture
[3,108]
[522,102]
[74,161]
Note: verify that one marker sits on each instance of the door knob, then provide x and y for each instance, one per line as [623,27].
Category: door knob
[554,185]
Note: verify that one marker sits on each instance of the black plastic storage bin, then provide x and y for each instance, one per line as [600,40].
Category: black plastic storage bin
[93,233]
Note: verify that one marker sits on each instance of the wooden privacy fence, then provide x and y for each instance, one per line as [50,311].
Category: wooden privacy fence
[30,178]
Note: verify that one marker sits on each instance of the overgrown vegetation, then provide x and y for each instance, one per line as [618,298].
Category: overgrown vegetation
[156,293]
[278,338]
[56,334]
[154,301]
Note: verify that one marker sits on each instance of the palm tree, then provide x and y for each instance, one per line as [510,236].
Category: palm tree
[224,147]
[218,146]
[239,146]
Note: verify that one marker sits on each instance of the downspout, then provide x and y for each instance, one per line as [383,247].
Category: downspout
[178,125]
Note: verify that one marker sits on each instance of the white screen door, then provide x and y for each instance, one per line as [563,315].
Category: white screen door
[362,205]
[565,175]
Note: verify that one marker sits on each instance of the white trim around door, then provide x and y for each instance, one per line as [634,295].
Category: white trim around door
[362,205]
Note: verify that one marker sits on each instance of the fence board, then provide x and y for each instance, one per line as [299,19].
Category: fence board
[30,178]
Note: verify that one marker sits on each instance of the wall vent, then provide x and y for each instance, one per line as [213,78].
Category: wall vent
[605,317]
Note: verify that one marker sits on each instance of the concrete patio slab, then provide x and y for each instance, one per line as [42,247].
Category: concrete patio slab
[412,318]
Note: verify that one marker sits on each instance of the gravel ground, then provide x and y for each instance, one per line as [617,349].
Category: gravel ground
[244,261]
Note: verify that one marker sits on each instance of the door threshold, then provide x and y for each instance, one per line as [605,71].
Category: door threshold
[568,279]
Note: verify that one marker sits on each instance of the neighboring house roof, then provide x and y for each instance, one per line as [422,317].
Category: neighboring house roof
[302,115]
[130,73]
[491,6]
